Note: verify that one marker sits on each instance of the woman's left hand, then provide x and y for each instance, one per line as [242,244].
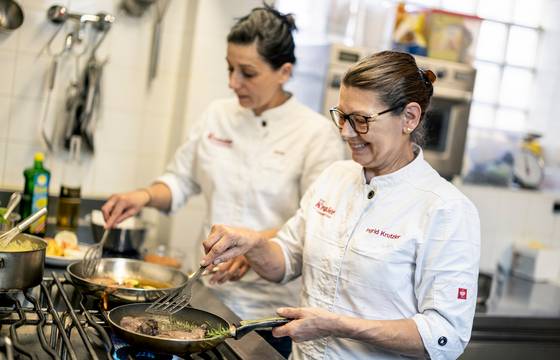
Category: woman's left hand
[231,270]
[307,323]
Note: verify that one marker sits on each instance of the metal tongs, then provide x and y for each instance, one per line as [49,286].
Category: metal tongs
[8,236]
[171,303]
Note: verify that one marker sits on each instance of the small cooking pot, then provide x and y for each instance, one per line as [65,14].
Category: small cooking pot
[11,15]
[23,269]
[127,237]
[190,315]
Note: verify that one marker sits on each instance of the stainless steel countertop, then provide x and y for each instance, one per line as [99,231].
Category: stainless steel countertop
[513,296]
[519,309]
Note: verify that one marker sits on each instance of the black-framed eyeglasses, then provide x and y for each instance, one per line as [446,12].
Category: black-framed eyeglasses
[360,123]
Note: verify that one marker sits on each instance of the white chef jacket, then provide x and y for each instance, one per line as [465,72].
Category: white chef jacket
[252,171]
[406,245]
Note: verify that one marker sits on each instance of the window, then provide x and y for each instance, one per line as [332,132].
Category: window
[506,55]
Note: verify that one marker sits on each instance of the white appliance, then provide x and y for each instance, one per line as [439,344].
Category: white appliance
[319,71]
[536,264]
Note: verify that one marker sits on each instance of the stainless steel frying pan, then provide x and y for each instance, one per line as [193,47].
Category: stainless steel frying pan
[194,316]
[120,269]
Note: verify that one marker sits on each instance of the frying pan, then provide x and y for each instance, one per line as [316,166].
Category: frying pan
[120,269]
[194,316]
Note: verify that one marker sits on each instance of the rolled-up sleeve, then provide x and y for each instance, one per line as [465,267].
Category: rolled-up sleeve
[446,278]
[179,173]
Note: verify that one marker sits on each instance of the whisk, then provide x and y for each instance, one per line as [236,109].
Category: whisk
[93,254]
[171,303]
[9,235]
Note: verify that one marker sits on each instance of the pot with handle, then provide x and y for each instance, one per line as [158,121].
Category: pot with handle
[192,316]
[22,263]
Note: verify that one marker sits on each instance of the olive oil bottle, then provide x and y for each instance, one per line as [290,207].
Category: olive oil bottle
[68,212]
[36,194]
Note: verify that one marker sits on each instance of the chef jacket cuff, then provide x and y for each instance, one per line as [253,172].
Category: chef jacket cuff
[288,270]
[173,185]
[439,343]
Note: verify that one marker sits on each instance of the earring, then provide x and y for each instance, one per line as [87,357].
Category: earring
[407,130]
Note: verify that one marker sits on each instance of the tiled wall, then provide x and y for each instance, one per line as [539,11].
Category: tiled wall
[132,136]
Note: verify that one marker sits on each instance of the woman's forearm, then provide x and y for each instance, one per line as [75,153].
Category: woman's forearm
[159,196]
[400,336]
[267,258]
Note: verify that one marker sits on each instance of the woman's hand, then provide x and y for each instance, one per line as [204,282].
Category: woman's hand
[231,270]
[122,206]
[307,324]
[226,242]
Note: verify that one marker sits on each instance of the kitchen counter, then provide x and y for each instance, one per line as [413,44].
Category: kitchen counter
[524,300]
[521,320]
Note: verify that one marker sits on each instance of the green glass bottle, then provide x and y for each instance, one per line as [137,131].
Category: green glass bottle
[36,194]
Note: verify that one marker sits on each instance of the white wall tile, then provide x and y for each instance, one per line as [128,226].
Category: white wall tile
[159,97]
[4,117]
[119,131]
[123,89]
[114,172]
[154,133]
[18,157]
[26,118]
[36,31]
[9,41]
[3,157]
[30,76]
[150,166]
[130,42]
[7,69]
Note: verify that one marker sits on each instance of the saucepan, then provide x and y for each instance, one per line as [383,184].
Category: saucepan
[160,279]
[192,316]
[127,237]
[11,15]
[22,263]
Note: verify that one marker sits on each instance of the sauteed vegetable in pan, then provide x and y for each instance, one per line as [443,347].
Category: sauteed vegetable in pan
[127,280]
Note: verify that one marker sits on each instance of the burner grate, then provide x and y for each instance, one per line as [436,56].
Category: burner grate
[37,328]
[54,320]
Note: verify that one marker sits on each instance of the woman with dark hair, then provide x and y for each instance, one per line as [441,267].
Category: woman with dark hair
[387,249]
[252,157]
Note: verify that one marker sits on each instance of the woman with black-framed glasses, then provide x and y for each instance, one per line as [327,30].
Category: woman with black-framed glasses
[388,250]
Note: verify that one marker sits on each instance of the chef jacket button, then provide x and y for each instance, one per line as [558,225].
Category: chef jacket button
[370,194]
[442,341]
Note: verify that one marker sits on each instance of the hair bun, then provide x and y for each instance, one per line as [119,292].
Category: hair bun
[290,21]
[430,75]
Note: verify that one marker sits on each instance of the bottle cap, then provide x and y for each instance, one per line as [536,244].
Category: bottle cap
[39,156]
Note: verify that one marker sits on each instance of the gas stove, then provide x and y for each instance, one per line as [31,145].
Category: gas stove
[55,320]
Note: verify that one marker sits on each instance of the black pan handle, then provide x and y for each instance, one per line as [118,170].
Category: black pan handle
[247,326]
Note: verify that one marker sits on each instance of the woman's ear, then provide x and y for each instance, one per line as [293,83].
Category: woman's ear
[411,117]
[285,72]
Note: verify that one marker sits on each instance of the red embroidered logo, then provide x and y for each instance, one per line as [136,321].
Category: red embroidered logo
[462,294]
[324,209]
[219,141]
[382,233]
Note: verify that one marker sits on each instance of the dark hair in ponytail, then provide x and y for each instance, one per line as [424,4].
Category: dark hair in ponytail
[272,31]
